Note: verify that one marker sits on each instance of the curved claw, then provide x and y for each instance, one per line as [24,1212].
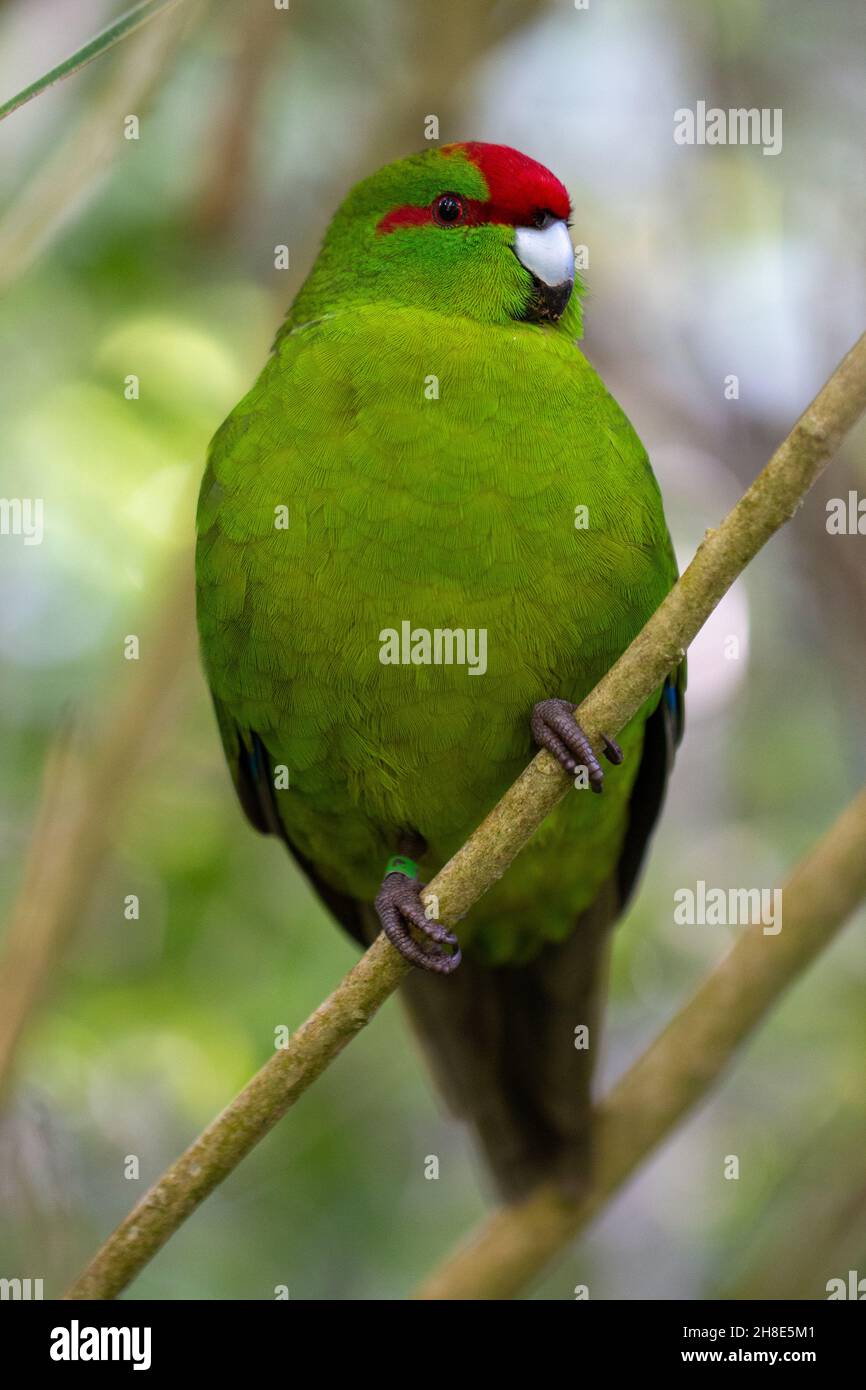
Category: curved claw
[399,907]
[555,728]
[612,750]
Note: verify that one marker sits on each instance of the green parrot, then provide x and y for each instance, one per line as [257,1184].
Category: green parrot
[423,537]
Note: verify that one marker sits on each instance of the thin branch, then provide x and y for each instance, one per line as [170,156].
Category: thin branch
[120,29]
[515,1243]
[774,497]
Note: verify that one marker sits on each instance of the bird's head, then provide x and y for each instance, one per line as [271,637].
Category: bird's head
[473,229]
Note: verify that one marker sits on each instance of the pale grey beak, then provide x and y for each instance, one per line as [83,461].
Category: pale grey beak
[547,253]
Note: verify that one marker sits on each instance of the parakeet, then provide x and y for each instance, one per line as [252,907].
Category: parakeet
[423,536]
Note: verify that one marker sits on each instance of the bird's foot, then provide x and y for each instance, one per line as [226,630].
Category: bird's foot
[401,911]
[555,728]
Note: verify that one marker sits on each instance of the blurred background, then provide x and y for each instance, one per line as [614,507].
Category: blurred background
[121,1035]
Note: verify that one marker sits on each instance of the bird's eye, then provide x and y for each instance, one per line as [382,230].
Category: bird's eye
[543,218]
[448,209]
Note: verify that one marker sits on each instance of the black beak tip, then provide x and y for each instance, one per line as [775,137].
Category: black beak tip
[547,303]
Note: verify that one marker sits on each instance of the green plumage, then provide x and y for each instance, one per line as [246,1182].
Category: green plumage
[456,512]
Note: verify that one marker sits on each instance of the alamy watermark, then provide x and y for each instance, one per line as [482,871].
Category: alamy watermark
[23,516]
[852,1287]
[438,646]
[21,1290]
[729,907]
[846,516]
[738,126]
[77,1343]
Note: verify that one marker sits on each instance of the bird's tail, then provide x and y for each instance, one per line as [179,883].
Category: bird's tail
[508,1049]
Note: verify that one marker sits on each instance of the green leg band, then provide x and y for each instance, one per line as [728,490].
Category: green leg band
[400,864]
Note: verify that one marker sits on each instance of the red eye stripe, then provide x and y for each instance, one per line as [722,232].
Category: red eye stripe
[406,216]
[477,212]
[410,215]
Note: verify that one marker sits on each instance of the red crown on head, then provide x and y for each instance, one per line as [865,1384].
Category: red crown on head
[518,185]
